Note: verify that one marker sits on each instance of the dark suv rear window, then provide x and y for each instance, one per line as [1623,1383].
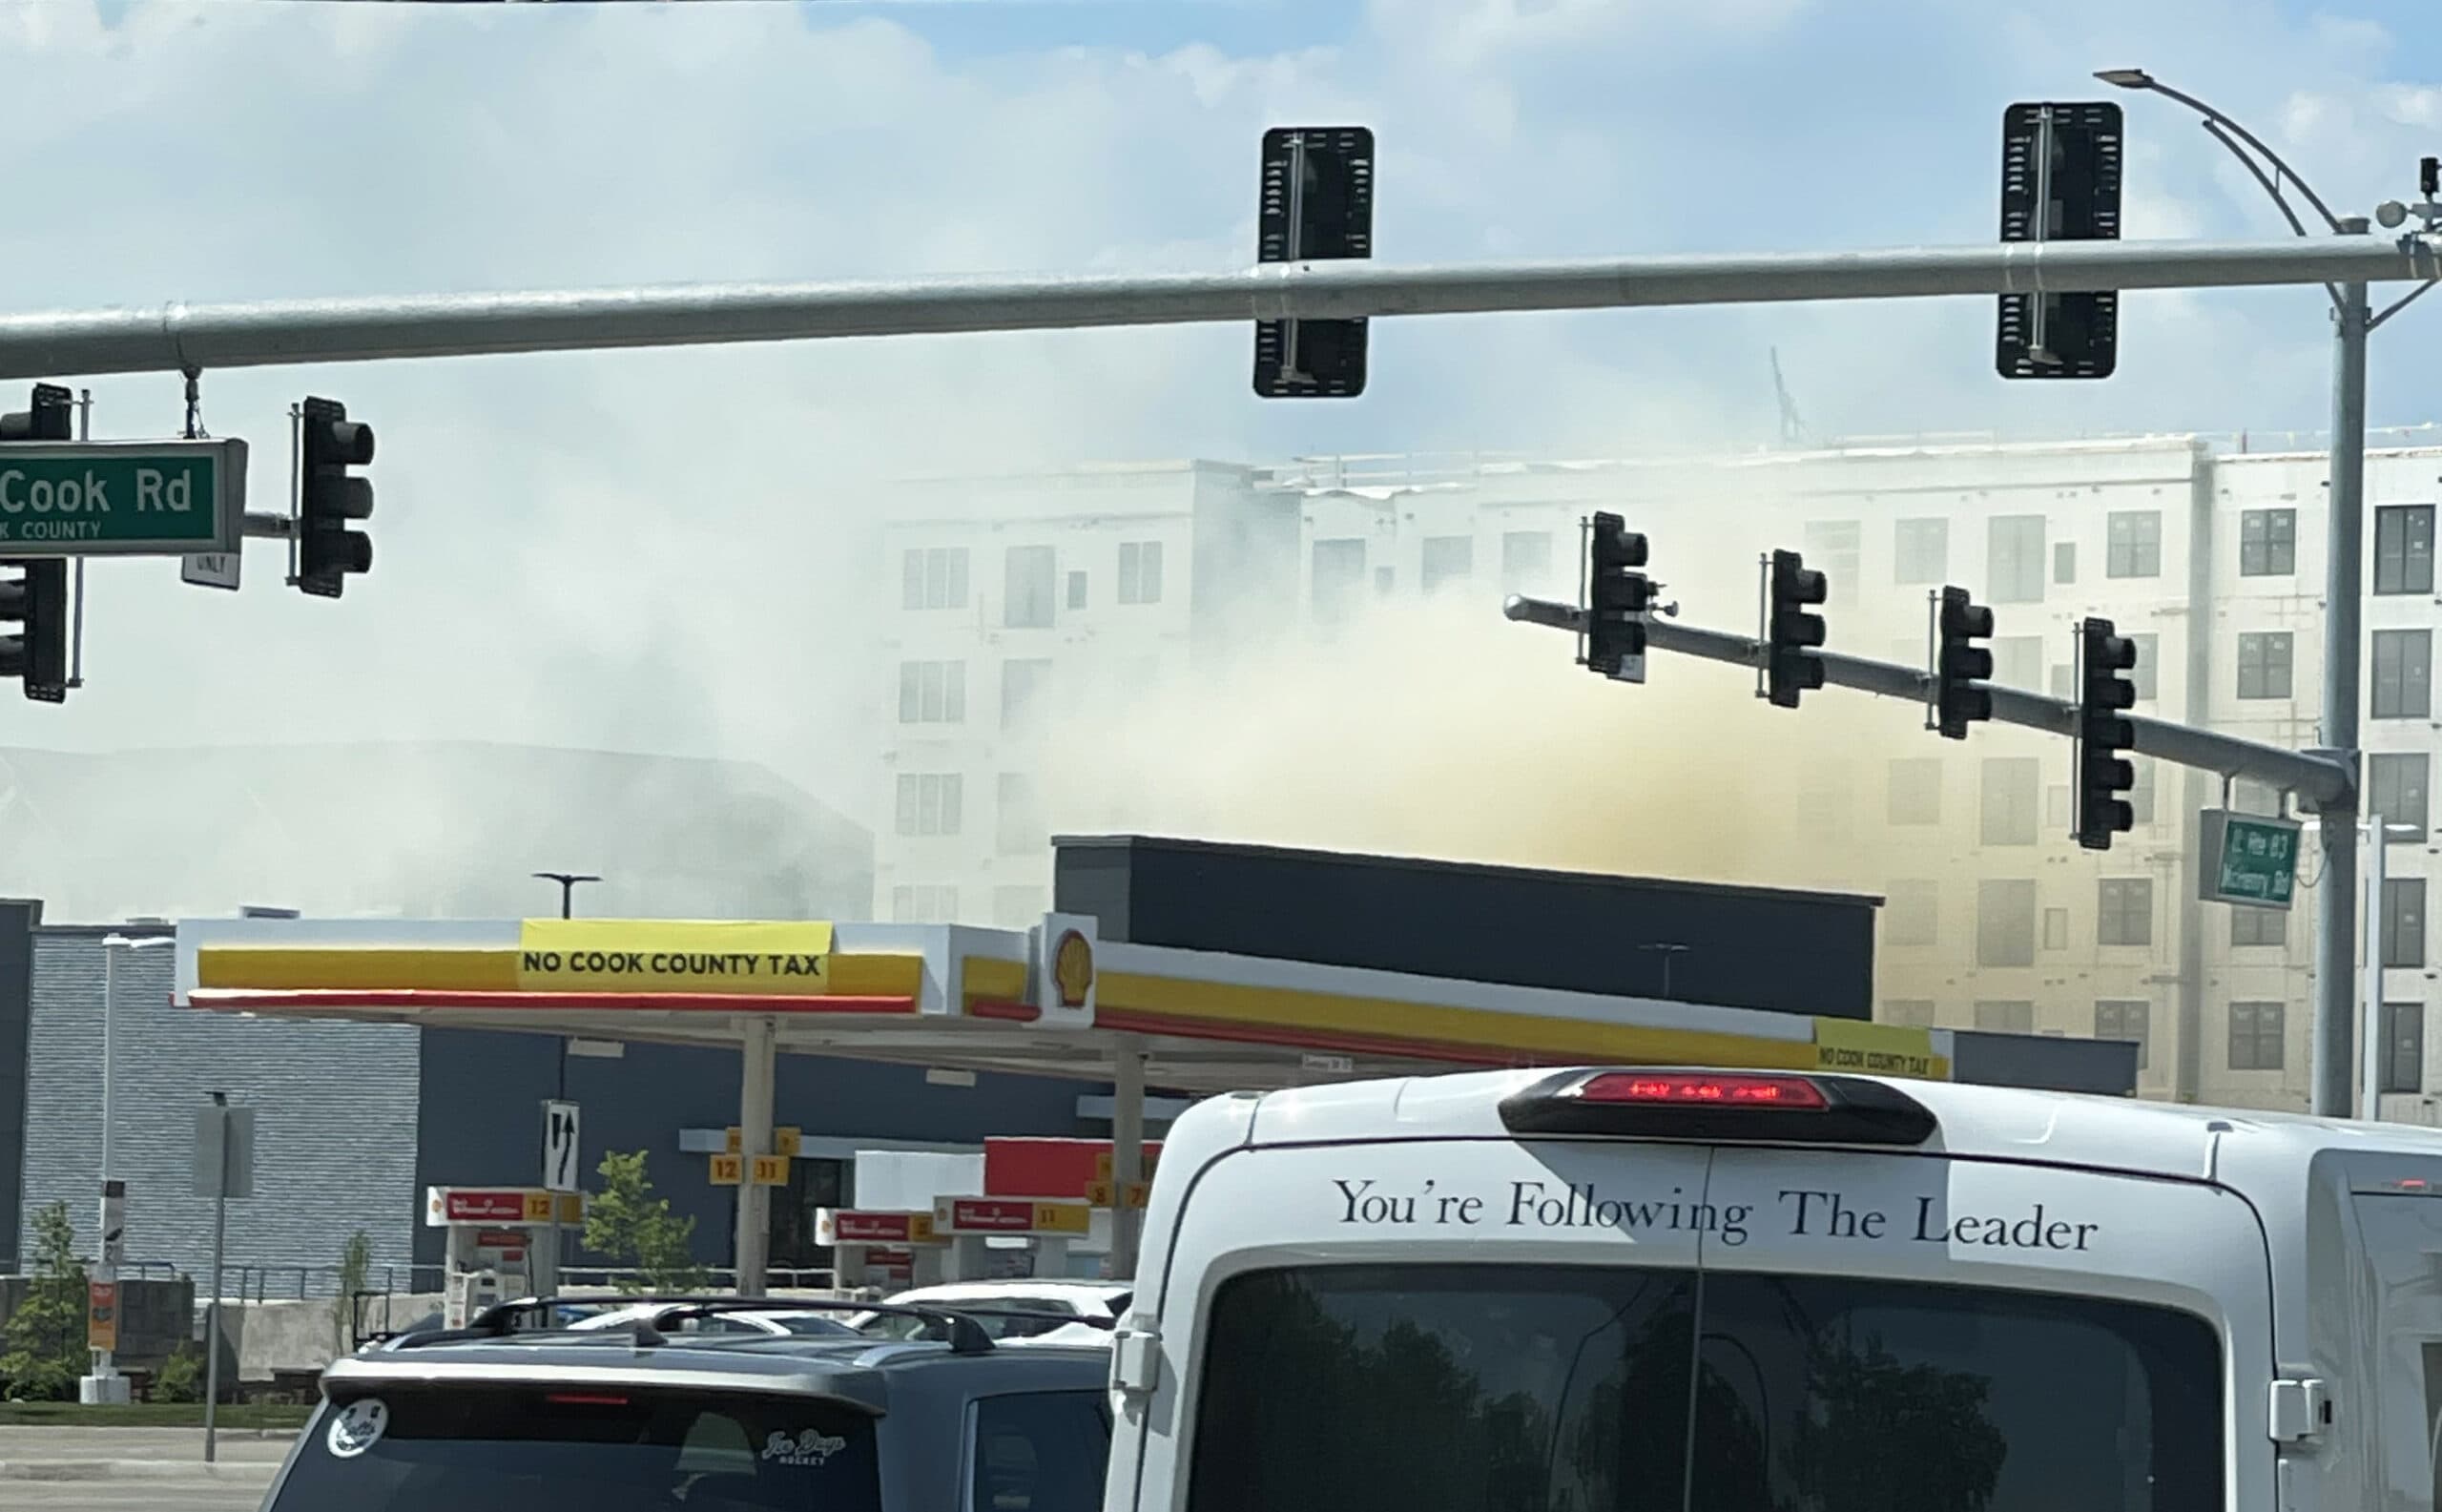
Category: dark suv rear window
[1479,1388]
[529,1449]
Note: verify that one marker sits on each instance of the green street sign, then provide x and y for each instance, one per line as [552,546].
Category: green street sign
[2249,859]
[121,498]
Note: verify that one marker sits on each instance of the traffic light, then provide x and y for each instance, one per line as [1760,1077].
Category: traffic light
[327,551]
[1962,665]
[2060,182]
[1316,204]
[1790,667]
[51,417]
[35,594]
[2105,734]
[1619,597]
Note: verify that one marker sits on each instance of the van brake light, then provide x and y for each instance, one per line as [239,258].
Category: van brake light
[1718,1107]
[1715,1092]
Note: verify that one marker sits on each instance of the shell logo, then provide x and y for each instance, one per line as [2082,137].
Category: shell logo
[1072,969]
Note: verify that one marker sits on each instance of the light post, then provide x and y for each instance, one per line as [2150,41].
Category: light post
[105,1384]
[1669,954]
[2344,573]
[567,882]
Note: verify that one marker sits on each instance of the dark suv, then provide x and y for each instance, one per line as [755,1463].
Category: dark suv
[500,1417]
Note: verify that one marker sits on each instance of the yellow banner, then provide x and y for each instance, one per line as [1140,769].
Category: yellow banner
[644,955]
[1881,1049]
[1104,1194]
[786,1139]
[1063,1218]
[769,1171]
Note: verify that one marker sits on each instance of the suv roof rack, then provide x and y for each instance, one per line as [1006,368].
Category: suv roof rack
[501,1320]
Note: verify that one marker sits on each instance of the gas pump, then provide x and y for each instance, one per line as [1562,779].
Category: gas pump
[887,1252]
[501,1244]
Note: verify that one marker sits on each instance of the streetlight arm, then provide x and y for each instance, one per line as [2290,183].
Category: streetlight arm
[2219,124]
[2271,185]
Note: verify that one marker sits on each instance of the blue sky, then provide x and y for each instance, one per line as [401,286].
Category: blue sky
[661,549]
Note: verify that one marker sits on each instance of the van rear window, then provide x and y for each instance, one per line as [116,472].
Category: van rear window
[1474,1388]
[604,1450]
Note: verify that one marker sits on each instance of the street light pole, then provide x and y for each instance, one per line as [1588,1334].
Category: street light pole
[567,882]
[104,1385]
[2345,538]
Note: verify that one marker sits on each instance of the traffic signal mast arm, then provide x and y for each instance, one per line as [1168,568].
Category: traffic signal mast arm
[179,337]
[2318,780]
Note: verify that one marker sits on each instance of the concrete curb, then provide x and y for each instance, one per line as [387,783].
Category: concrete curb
[127,1469]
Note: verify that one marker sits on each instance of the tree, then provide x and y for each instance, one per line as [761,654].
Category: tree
[355,1269]
[630,1227]
[45,1335]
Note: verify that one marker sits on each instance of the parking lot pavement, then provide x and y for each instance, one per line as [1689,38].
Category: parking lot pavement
[157,1469]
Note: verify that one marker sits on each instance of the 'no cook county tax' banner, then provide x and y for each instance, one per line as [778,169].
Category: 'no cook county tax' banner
[122,498]
[612,954]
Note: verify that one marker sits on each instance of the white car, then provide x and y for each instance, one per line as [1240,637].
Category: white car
[780,1319]
[1096,1304]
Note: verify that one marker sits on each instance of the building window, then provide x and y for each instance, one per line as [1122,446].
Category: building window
[1912,914]
[923,903]
[1076,591]
[2064,680]
[1023,682]
[2124,911]
[2264,664]
[2004,923]
[2268,543]
[1526,562]
[2256,1036]
[2006,1018]
[2014,567]
[2404,1048]
[1447,559]
[1019,905]
[2396,791]
[1830,547]
[1026,596]
[2126,1019]
[934,577]
[1920,551]
[928,803]
[2134,545]
[2018,660]
[1339,587]
[2011,789]
[1139,572]
[2404,922]
[2065,562]
[2404,549]
[1018,819]
[1908,1013]
[2144,675]
[1917,790]
[932,693]
[2403,675]
[2251,927]
[2056,929]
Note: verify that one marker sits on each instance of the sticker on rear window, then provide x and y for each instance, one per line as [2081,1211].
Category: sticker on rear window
[812,1447]
[358,1427]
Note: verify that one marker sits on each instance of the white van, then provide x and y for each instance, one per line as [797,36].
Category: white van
[1659,1291]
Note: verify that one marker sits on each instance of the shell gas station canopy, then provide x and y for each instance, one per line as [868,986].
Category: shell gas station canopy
[1053,999]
